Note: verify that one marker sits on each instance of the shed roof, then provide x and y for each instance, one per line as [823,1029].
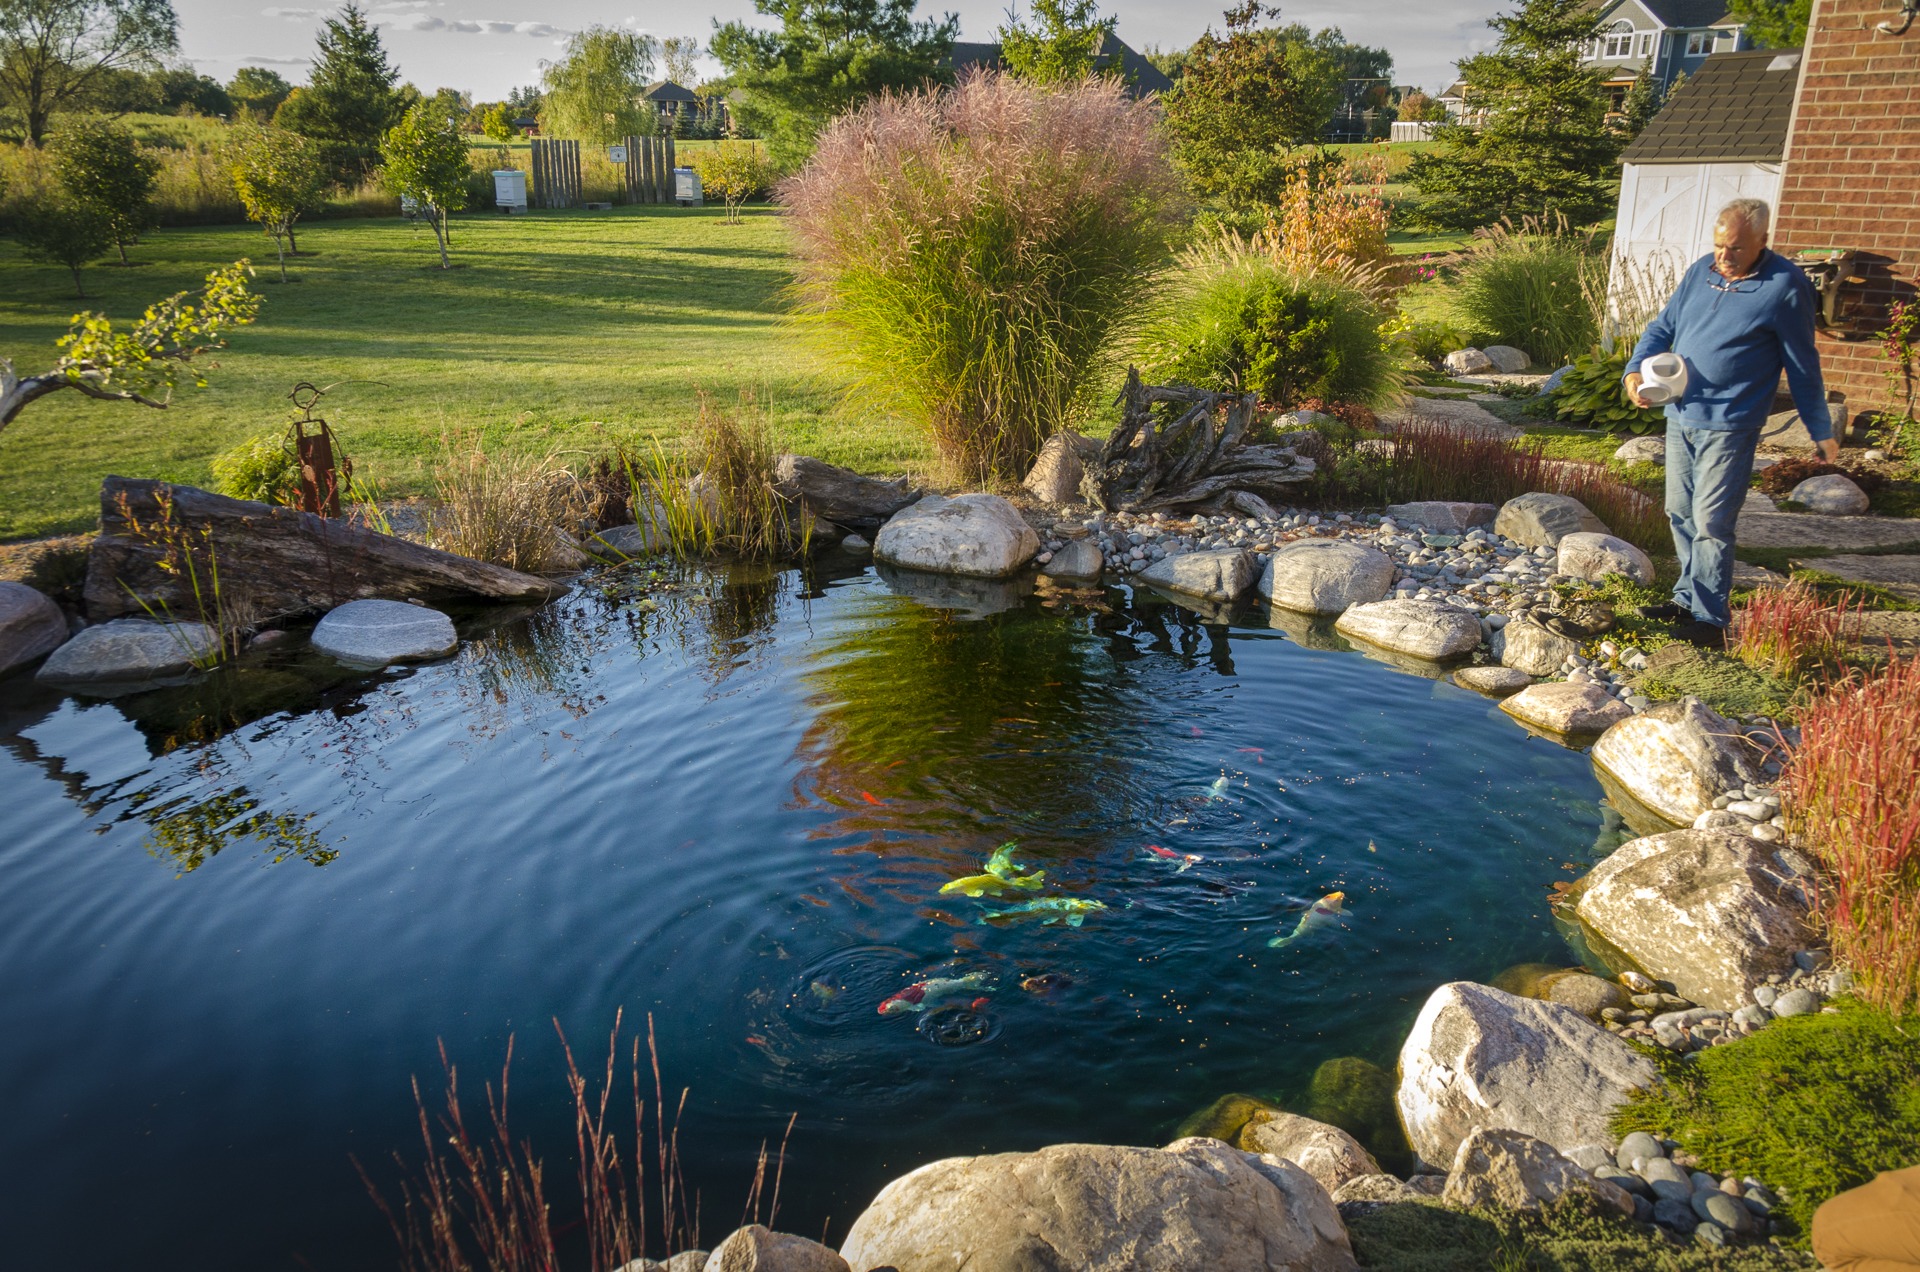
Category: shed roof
[1142,76]
[1734,109]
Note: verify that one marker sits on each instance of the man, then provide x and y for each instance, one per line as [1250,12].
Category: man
[1738,318]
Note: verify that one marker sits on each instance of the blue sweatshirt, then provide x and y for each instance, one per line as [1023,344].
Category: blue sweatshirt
[1735,337]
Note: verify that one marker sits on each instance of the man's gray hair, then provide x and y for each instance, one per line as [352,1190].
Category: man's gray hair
[1753,213]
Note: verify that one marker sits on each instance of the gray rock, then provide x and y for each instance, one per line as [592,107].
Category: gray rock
[1326,1152]
[1796,1002]
[377,633]
[1375,1188]
[977,536]
[1676,759]
[1718,1207]
[1325,576]
[1708,1233]
[1495,682]
[1811,960]
[1567,709]
[1220,575]
[1196,1204]
[1541,520]
[1623,1179]
[1528,647]
[1639,1144]
[1506,359]
[1669,1182]
[686,1261]
[1592,557]
[1076,559]
[1700,909]
[1558,378]
[1443,516]
[1586,994]
[858,544]
[1676,1213]
[1055,475]
[128,650]
[1833,494]
[1480,1057]
[1642,450]
[1590,1157]
[758,1249]
[1468,362]
[1428,1185]
[1423,629]
[630,540]
[973,597]
[31,626]
[1498,1167]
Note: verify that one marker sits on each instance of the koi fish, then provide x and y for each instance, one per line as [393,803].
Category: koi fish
[869,797]
[923,994]
[1069,910]
[1216,791]
[1045,983]
[1001,874]
[1187,860]
[1323,913]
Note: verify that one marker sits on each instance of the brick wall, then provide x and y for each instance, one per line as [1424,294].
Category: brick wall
[1852,176]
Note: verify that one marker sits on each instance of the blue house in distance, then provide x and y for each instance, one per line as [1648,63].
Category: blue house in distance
[1668,38]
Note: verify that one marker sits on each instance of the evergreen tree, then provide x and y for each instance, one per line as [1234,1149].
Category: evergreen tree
[350,100]
[827,57]
[1644,101]
[1545,146]
[1774,24]
[1060,48]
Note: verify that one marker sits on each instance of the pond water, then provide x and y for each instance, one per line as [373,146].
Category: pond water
[239,918]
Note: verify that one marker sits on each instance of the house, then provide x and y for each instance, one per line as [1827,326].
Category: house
[1455,101]
[1667,38]
[1142,77]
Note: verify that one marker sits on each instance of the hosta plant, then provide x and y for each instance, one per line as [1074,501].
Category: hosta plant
[1594,394]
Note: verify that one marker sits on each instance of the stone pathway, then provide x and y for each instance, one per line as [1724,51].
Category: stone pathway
[1762,529]
[1898,574]
[1450,413]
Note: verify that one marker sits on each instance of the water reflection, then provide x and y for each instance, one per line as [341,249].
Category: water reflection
[189,834]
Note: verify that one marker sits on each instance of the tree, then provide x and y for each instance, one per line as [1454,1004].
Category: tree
[350,100]
[52,52]
[1247,103]
[736,171]
[493,120]
[103,168]
[595,91]
[678,53]
[62,231]
[1417,107]
[1171,63]
[424,159]
[1061,47]
[1545,147]
[1643,102]
[278,175]
[144,364]
[1774,24]
[257,92]
[827,57]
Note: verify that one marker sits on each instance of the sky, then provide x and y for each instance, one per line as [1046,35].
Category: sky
[485,47]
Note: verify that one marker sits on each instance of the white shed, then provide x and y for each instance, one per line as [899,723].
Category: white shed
[1721,136]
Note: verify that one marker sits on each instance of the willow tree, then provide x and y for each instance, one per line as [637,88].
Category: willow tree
[597,91]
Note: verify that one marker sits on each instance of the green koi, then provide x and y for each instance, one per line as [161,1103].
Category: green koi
[1072,911]
[1324,913]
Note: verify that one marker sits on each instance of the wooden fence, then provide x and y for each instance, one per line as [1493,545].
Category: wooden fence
[649,170]
[556,173]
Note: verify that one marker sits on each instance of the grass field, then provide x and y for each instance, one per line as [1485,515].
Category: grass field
[563,329]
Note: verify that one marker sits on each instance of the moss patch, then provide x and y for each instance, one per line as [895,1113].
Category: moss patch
[1811,1105]
[1426,1237]
[1726,684]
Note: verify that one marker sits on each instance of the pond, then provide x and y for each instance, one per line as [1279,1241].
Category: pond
[240,917]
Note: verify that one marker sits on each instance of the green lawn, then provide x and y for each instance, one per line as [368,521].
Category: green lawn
[561,329]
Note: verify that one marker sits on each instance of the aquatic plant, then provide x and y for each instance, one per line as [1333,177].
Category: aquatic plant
[1848,793]
[190,555]
[971,256]
[506,507]
[1793,629]
[717,493]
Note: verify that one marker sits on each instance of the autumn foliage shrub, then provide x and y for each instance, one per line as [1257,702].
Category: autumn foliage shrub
[971,255]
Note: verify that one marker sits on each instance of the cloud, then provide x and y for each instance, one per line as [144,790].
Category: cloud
[293,15]
[257,60]
[386,17]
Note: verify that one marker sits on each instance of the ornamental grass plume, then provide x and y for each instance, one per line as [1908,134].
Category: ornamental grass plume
[1849,791]
[972,256]
[1793,629]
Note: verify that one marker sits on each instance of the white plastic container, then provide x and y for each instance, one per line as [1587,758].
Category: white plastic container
[510,190]
[686,188]
[1663,378]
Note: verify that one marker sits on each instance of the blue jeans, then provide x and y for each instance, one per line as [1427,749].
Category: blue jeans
[1707,472]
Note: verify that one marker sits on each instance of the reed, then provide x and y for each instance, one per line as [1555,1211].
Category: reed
[1793,630]
[505,507]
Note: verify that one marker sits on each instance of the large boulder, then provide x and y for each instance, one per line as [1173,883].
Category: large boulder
[1567,709]
[1592,557]
[979,536]
[1498,1167]
[1481,1057]
[1443,516]
[1098,1208]
[972,597]
[379,633]
[756,1248]
[1527,646]
[1326,1152]
[31,625]
[1832,493]
[1677,758]
[1384,1188]
[840,495]
[1423,629]
[130,651]
[1541,520]
[273,562]
[1506,359]
[1703,909]
[1055,475]
[1220,574]
[1651,449]
[1495,682]
[1326,576]
[1468,362]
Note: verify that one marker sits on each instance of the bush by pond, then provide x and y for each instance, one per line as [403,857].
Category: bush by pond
[970,255]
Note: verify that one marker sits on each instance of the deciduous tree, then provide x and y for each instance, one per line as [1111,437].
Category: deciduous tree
[62,231]
[103,167]
[736,171]
[424,160]
[595,92]
[1059,48]
[278,175]
[350,99]
[52,52]
[1774,24]
[257,92]
[678,55]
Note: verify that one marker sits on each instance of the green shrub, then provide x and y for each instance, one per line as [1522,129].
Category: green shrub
[260,468]
[1531,288]
[1810,1106]
[1593,394]
[1424,341]
[972,256]
[1236,319]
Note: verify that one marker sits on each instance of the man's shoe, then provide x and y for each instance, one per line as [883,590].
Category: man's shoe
[1705,635]
[1666,612]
